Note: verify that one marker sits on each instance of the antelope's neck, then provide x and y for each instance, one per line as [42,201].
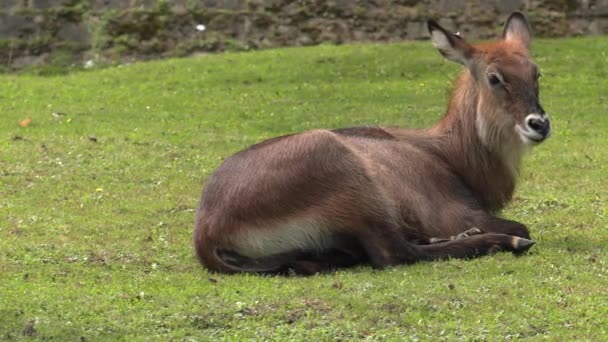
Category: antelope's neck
[489,171]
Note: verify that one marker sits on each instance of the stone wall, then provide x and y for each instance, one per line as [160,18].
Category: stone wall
[65,32]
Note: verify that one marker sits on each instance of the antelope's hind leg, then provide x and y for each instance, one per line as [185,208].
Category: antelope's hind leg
[385,245]
[344,251]
[327,261]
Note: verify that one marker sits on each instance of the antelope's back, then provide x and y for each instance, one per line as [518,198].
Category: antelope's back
[302,176]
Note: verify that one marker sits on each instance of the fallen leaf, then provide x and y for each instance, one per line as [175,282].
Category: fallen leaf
[25,122]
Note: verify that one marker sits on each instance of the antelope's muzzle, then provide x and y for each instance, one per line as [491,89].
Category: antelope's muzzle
[536,128]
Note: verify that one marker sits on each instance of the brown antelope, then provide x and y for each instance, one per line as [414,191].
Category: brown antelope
[322,199]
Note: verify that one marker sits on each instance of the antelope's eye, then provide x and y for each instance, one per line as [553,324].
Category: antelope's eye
[494,79]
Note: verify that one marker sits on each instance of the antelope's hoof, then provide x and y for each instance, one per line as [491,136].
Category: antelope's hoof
[521,245]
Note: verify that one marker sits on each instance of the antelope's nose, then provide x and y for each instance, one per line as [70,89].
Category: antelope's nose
[539,124]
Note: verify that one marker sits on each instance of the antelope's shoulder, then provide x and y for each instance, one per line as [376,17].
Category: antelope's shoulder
[370,132]
[295,139]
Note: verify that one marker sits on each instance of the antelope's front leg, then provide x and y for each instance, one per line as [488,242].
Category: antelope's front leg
[466,233]
[502,226]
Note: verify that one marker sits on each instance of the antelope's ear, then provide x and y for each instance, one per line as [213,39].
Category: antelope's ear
[517,29]
[451,46]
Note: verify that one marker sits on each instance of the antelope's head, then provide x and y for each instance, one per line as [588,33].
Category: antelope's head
[506,81]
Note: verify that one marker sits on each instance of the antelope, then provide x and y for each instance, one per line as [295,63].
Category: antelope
[324,199]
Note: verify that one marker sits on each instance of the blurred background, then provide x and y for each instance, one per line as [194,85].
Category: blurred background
[87,33]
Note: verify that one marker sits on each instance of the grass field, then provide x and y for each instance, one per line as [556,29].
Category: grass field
[97,199]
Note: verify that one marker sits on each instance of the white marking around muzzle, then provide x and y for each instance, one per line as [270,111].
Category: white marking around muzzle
[527,134]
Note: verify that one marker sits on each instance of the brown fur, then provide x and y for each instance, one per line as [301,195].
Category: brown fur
[323,199]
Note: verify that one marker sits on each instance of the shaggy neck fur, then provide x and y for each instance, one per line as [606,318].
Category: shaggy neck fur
[484,153]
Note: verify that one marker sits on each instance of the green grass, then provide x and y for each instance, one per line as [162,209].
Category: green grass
[97,202]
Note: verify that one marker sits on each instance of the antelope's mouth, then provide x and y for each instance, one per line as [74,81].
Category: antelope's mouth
[529,136]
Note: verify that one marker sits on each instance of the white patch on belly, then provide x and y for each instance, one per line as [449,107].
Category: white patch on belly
[299,235]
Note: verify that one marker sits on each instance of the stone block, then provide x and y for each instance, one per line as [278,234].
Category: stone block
[98,5]
[15,26]
[600,4]
[179,7]
[416,30]
[9,4]
[508,6]
[145,4]
[446,6]
[223,4]
[598,26]
[74,32]
[46,4]
[25,61]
